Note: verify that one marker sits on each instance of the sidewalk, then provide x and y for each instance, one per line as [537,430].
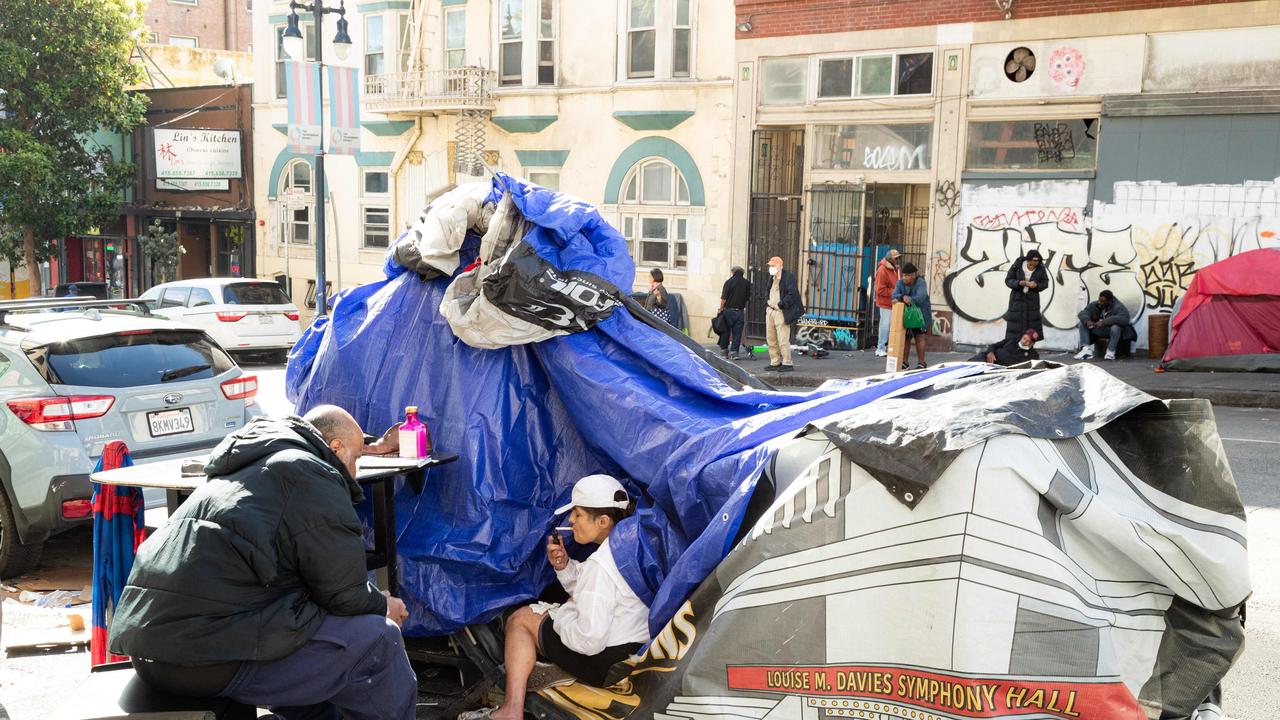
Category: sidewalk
[1233,389]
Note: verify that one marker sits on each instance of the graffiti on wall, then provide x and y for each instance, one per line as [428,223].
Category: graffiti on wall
[1066,68]
[827,337]
[1080,263]
[1169,253]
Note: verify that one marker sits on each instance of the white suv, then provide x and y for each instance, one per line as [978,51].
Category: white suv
[75,375]
[243,315]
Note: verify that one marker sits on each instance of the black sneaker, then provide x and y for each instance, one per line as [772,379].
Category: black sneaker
[773,367]
[921,366]
[786,368]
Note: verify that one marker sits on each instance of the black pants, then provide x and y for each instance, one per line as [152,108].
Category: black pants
[736,321]
[590,669]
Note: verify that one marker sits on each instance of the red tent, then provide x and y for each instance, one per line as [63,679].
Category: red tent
[1230,317]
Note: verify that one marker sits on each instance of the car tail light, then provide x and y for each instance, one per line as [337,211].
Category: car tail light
[245,386]
[76,509]
[232,316]
[57,413]
[292,316]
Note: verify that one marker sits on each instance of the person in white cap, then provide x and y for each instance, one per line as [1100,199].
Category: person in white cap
[603,623]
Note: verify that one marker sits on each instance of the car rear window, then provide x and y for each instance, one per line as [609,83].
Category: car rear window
[131,359]
[263,293]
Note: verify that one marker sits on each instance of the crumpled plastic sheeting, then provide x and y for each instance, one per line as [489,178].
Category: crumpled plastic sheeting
[430,246]
[528,421]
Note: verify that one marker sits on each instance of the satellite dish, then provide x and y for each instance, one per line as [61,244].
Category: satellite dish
[225,68]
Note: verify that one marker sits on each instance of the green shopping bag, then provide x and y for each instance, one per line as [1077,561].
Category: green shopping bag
[913,318]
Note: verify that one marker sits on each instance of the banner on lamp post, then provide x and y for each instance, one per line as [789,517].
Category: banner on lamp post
[344,110]
[302,86]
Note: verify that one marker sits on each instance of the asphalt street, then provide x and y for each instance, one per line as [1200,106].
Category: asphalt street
[33,686]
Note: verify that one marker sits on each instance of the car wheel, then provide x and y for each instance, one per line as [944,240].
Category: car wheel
[15,557]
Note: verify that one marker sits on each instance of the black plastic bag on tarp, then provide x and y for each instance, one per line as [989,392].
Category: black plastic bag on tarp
[532,289]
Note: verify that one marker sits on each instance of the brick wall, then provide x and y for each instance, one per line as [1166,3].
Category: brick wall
[205,20]
[813,17]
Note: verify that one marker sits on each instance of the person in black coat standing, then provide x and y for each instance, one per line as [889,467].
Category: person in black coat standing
[1026,280]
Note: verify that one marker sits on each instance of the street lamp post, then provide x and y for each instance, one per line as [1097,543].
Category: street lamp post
[295,47]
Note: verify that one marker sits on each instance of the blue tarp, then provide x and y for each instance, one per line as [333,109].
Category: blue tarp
[528,421]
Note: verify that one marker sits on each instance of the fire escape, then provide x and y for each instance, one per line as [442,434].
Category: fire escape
[418,90]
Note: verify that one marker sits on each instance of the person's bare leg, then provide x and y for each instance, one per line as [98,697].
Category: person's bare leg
[519,655]
[920,349]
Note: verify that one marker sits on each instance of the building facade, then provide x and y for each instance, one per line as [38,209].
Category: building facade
[1131,142]
[627,104]
[206,24]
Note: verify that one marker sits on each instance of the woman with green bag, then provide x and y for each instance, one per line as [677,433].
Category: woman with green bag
[917,319]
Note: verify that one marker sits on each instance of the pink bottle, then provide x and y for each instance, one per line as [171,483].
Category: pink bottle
[415,441]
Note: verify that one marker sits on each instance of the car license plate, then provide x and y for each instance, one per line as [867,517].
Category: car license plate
[170,422]
[264,318]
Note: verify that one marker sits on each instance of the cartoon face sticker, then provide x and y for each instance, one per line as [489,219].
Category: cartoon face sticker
[1066,67]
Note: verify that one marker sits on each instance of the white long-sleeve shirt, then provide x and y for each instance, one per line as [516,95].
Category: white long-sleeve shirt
[602,611]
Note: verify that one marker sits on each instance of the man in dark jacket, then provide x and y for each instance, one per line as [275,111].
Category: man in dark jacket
[1108,318]
[733,307]
[1011,352]
[256,587]
[782,309]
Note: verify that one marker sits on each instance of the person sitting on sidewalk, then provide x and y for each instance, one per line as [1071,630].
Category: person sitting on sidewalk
[1108,318]
[1011,351]
[603,622]
[256,588]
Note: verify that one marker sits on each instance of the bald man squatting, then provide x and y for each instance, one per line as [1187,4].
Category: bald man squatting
[256,587]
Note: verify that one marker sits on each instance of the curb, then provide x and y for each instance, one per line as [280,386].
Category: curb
[1218,396]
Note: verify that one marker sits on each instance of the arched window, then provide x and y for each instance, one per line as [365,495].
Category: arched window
[653,213]
[297,197]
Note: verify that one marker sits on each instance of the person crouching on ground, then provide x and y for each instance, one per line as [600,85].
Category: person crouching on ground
[1107,318]
[912,290]
[256,588]
[603,622]
[1010,352]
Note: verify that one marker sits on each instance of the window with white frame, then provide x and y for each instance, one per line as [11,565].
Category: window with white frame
[375,207]
[296,198]
[527,50]
[875,75]
[455,37]
[682,39]
[642,36]
[782,80]
[548,178]
[654,214]
[183,41]
[375,55]
[404,27]
[308,34]
[657,38]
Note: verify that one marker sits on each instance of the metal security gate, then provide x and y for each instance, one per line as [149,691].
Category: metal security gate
[851,228]
[777,172]
[833,267]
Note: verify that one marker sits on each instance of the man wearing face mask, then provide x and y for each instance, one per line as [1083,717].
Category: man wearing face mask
[256,588]
[781,310]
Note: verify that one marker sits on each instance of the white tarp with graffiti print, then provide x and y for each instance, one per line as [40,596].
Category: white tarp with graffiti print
[1145,247]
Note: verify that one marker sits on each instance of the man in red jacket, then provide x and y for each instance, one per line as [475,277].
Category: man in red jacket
[887,277]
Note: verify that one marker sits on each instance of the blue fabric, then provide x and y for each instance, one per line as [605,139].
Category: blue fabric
[528,421]
[118,523]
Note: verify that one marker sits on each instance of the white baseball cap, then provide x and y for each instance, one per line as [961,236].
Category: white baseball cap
[597,491]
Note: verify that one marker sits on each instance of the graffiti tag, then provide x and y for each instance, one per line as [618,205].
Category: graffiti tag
[1080,265]
[1022,218]
[894,157]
